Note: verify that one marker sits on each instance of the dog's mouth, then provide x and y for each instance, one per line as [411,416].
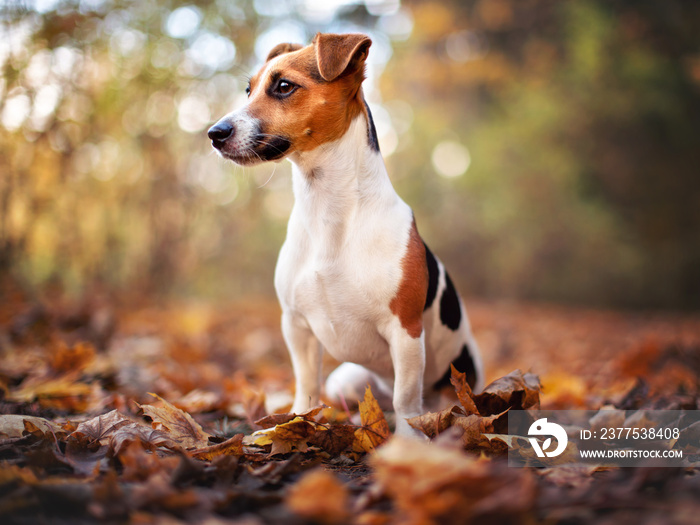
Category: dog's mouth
[260,148]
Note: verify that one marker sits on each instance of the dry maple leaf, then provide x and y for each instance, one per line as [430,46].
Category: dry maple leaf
[464,391]
[333,439]
[230,447]
[515,390]
[150,437]
[475,426]
[180,426]
[434,423]
[320,497]
[285,437]
[278,419]
[100,428]
[374,430]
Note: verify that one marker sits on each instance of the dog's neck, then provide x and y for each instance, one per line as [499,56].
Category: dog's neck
[337,180]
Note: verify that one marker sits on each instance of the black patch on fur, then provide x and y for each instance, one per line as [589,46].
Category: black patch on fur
[433,275]
[271,148]
[463,363]
[450,313]
[371,130]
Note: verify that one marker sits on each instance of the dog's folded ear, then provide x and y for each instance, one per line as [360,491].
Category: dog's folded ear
[281,49]
[338,54]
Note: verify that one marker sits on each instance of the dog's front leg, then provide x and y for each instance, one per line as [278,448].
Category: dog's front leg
[408,357]
[305,352]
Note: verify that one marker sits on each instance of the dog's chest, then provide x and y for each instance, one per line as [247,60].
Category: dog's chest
[341,284]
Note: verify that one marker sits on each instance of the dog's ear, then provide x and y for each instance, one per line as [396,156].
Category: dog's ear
[337,54]
[281,49]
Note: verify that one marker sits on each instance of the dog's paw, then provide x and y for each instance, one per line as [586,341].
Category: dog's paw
[403,429]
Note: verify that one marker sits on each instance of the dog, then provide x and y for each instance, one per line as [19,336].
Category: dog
[353,275]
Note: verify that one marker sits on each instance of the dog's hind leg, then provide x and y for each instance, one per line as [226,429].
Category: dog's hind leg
[346,386]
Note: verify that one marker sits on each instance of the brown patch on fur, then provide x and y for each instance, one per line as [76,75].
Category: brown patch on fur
[409,300]
[319,111]
[337,53]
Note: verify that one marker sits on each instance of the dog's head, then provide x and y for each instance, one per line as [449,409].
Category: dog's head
[301,98]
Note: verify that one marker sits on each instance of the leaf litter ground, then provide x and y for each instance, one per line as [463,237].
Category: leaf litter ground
[178,413]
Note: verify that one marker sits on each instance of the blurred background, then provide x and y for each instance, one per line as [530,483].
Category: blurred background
[550,150]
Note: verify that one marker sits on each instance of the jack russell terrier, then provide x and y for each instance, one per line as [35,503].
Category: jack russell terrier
[353,276]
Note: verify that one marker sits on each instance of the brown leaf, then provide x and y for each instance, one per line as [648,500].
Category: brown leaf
[278,419]
[375,429]
[475,426]
[334,439]
[464,391]
[100,428]
[180,426]
[14,426]
[515,390]
[64,392]
[319,497]
[230,447]
[153,438]
[139,465]
[429,484]
[434,423]
[66,358]
[285,437]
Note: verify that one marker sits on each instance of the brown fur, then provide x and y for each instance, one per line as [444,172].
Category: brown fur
[409,300]
[323,110]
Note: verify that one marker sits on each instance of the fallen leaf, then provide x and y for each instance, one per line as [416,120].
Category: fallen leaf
[278,419]
[333,439]
[475,426]
[230,447]
[374,430]
[179,425]
[430,484]
[515,390]
[14,426]
[607,417]
[100,428]
[434,423]
[285,437]
[320,497]
[464,391]
[74,358]
[151,437]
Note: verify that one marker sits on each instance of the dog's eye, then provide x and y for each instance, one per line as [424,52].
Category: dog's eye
[284,87]
[247,90]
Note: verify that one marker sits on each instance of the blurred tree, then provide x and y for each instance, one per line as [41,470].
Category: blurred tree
[550,149]
[581,120]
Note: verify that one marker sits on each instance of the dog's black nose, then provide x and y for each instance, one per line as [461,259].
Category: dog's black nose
[219,132]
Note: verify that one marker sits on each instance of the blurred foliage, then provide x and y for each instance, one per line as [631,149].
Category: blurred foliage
[575,125]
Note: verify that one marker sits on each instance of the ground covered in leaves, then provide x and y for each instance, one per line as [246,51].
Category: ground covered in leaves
[124,412]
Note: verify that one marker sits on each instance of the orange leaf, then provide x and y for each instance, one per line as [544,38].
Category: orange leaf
[230,447]
[319,497]
[375,429]
[464,391]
